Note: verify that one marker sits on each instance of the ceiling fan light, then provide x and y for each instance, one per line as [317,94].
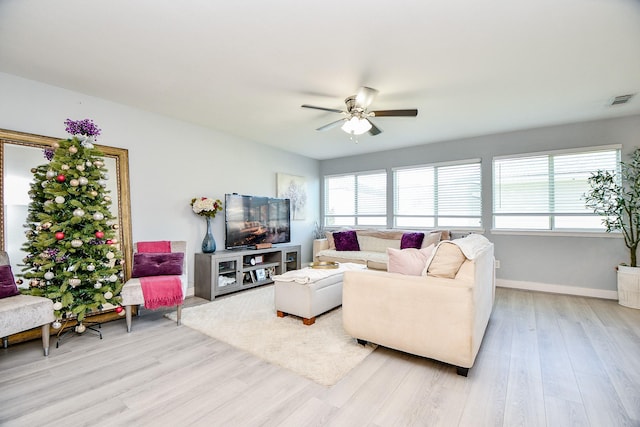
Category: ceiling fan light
[356,126]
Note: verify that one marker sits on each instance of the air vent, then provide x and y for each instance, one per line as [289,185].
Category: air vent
[622,99]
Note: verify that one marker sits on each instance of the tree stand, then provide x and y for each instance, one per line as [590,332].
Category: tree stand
[88,327]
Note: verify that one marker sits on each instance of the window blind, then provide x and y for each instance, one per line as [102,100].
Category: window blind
[356,199]
[438,196]
[546,192]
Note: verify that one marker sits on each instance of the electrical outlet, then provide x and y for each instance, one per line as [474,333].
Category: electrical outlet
[497,263]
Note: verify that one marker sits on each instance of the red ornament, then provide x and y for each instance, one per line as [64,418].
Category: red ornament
[119,309]
[109,242]
[99,234]
[59,235]
[61,178]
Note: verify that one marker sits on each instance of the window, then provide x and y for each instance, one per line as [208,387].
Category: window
[447,195]
[546,191]
[356,199]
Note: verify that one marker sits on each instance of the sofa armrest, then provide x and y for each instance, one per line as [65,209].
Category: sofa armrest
[319,245]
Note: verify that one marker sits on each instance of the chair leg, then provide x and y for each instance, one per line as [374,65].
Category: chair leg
[5,342]
[179,314]
[45,338]
[127,311]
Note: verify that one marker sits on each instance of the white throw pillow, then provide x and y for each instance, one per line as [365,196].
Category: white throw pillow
[408,261]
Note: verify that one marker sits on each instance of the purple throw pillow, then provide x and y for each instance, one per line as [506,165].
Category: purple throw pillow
[157,264]
[8,286]
[411,240]
[346,240]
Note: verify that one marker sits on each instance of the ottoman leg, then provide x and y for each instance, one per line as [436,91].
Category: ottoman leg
[309,321]
[280,313]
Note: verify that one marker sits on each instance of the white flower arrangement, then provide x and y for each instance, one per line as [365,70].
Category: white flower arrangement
[205,206]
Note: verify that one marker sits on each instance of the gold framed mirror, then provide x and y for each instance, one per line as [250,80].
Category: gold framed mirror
[19,152]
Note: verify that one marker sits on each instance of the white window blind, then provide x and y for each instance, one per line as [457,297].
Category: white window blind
[546,191]
[438,196]
[356,199]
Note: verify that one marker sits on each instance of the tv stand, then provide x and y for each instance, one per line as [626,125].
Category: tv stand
[232,270]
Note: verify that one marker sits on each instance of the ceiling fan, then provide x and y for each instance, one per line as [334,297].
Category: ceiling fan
[357,118]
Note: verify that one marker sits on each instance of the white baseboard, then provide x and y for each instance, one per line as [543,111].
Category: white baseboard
[190,292]
[557,289]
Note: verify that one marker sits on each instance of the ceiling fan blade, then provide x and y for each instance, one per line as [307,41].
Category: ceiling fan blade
[331,125]
[365,96]
[333,110]
[396,113]
[375,130]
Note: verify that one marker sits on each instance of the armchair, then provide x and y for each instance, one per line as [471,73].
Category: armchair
[132,290]
[19,313]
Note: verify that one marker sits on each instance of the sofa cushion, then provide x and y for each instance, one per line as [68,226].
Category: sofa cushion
[433,238]
[381,234]
[157,264]
[329,236]
[346,240]
[410,261]
[376,244]
[8,286]
[411,240]
[446,261]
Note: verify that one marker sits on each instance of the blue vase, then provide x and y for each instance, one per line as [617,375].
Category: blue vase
[208,243]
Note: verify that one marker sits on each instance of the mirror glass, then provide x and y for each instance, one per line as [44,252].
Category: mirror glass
[19,153]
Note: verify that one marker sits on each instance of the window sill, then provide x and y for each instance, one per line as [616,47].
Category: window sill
[550,233]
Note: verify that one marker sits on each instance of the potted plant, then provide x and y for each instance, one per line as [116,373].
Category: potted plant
[616,196]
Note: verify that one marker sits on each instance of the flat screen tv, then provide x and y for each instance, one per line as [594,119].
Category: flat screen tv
[250,220]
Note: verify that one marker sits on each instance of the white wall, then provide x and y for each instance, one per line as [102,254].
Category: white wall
[170,161]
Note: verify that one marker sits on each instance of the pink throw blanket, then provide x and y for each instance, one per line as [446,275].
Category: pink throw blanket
[161,246]
[161,291]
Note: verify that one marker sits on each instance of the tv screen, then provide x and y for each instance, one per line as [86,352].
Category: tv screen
[250,220]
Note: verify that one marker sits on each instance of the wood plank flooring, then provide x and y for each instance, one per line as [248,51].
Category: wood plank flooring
[546,360]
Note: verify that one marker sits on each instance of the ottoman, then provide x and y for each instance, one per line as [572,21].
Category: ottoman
[310,292]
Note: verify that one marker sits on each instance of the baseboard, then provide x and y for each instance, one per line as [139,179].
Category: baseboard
[190,292]
[557,289]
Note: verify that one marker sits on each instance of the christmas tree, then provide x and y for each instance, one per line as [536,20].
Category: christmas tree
[72,250]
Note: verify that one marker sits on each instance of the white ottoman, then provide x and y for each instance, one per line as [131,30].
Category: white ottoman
[310,292]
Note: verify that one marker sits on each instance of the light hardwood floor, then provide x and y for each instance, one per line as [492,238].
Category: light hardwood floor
[546,360]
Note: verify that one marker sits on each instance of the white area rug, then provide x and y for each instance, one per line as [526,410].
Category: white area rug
[322,352]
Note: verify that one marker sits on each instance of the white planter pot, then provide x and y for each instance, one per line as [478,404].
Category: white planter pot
[629,286]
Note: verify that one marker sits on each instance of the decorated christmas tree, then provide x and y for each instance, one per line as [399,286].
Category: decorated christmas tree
[72,249]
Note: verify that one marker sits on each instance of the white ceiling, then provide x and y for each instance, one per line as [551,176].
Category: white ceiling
[245,67]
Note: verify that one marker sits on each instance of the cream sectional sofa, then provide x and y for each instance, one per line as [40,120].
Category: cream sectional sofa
[373,246]
[441,314]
